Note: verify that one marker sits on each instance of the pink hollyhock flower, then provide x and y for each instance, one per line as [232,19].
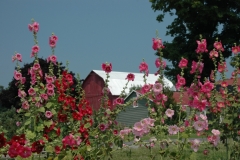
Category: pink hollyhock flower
[54,37]
[32,54]
[107,67]
[169,113]
[183,63]
[30,27]
[203,117]
[31,92]
[18,56]
[102,127]
[220,104]
[195,144]
[148,121]
[143,67]
[195,67]
[53,59]
[218,46]
[159,63]
[215,132]
[222,67]
[157,88]
[17,75]
[23,80]
[212,75]
[119,100]
[202,46]
[236,49]
[50,92]
[49,79]
[25,105]
[44,96]
[52,42]
[36,66]
[238,88]
[35,26]
[130,77]
[224,84]
[68,141]
[145,88]
[21,93]
[48,114]
[207,87]
[173,129]
[50,86]
[18,124]
[181,80]
[199,125]
[106,90]
[213,54]
[35,49]
[213,140]
[157,44]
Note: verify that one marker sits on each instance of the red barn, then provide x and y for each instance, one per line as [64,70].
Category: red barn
[94,84]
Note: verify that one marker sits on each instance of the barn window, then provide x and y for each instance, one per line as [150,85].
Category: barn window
[135,104]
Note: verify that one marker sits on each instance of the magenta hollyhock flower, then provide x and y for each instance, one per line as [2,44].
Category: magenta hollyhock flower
[169,113]
[25,105]
[54,37]
[130,77]
[218,46]
[173,129]
[220,104]
[48,114]
[53,59]
[183,63]
[49,79]
[215,132]
[23,80]
[146,88]
[17,75]
[202,46]
[107,67]
[186,123]
[143,67]
[69,141]
[195,67]
[35,49]
[195,144]
[35,26]
[31,92]
[44,96]
[157,88]
[157,44]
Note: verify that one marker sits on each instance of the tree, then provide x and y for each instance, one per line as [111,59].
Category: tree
[9,96]
[196,17]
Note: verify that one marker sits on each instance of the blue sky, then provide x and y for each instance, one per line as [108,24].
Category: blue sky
[89,32]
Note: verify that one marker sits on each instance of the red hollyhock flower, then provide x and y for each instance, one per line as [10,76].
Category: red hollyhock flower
[37,146]
[2,140]
[107,67]
[24,152]
[13,149]
[130,77]
[78,157]
[19,139]
[57,149]
[62,117]
[58,132]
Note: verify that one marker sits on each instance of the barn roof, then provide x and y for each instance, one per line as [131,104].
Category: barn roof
[118,80]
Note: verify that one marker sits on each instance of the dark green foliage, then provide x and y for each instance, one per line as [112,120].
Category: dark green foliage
[9,96]
[193,18]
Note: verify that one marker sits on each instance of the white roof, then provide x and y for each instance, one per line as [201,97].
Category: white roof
[117,81]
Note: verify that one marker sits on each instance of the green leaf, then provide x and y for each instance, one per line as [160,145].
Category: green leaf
[41,109]
[89,148]
[193,156]
[49,104]
[87,125]
[49,149]
[53,111]
[40,128]
[47,123]
[27,122]
[30,134]
[27,114]
[36,89]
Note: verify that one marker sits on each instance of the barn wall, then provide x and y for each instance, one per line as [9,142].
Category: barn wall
[132,115]
[93,86]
